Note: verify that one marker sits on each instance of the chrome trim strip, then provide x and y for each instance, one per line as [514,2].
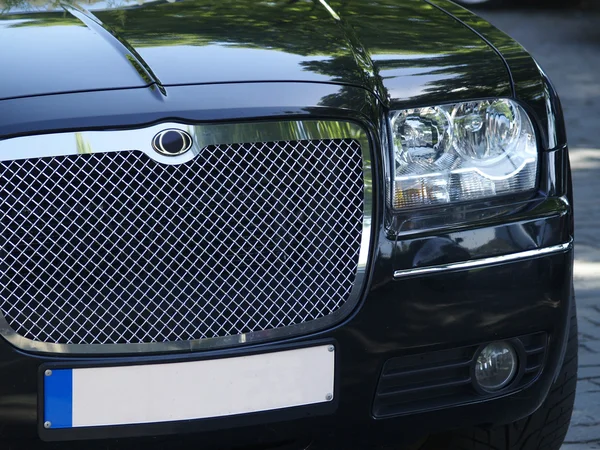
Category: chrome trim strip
[86,142]
[483,262]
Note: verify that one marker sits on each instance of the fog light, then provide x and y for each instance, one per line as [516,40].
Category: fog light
[496,366]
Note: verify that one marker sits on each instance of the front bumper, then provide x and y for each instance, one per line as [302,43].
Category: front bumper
[397,318]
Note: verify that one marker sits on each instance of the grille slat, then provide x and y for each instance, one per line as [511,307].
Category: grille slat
[115,248]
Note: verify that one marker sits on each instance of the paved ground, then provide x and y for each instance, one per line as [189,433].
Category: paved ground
[567,46]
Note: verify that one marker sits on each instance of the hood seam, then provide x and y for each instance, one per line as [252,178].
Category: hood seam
[122,46]
[484,39]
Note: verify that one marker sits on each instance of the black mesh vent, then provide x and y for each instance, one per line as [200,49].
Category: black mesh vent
[117,248]
[440,379]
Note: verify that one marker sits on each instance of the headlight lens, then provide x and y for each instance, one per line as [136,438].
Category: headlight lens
[465,151]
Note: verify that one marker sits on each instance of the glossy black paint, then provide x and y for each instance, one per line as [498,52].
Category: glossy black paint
[460,244]
[126,108]
[407,51]
[421,57]
[383,54]
[531,84]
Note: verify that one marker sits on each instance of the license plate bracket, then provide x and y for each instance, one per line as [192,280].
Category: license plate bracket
[117,399]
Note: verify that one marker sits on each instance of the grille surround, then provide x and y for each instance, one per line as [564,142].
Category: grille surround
[104,142]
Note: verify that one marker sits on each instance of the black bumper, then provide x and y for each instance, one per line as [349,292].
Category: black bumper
[397,318]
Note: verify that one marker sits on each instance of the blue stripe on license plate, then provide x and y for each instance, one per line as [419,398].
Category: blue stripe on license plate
[58,398]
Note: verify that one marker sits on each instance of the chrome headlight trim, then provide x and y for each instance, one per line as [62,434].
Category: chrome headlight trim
[484,262]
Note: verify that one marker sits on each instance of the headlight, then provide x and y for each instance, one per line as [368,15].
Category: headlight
[465,151]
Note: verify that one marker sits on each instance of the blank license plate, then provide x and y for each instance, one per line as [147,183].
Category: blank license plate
[103,396]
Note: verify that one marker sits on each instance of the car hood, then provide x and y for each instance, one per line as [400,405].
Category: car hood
[399,49]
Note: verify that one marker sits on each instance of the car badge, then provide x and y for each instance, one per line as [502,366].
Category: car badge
[172,142]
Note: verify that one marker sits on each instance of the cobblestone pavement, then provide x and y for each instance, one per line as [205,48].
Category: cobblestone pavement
[567,46]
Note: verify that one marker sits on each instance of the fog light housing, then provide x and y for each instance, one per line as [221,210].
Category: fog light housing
[496,366]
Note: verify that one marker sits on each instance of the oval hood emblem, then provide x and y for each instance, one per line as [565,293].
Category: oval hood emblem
[172,142]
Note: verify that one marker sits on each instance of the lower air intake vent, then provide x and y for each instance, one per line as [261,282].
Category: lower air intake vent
[436,380]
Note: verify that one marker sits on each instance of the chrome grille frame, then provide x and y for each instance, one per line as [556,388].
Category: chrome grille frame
[73,143]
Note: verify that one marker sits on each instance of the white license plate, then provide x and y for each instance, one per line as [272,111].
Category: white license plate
[121,395]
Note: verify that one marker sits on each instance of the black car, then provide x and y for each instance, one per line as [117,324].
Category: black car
[280,224]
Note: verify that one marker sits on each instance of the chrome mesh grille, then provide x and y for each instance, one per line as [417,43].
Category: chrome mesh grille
[114,248]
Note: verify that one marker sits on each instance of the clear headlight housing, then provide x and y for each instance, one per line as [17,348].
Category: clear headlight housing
[465,151]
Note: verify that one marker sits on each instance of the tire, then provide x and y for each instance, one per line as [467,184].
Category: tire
[545,429]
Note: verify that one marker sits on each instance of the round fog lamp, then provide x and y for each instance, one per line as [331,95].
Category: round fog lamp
[496,366]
